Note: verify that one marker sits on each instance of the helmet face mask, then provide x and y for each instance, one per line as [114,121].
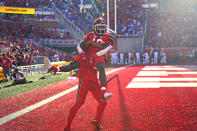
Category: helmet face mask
[100,27]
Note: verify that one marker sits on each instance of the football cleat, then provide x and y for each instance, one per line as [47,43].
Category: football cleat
[106,96]
[96,124]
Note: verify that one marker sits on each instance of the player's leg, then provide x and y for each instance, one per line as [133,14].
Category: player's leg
[146,60]
[154,60]
[138,60]
[8,72]
[95,90]
[164,60]
[115,60]
[122,60]
[102,78]
[73,65]
[5,74]
[112,59]
[102,74]
[157,59]
[81,95]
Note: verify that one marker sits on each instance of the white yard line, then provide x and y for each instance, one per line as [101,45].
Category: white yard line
[12,116]
[165,73]
[154,82]
[171,68]
[153,79]
[158,85]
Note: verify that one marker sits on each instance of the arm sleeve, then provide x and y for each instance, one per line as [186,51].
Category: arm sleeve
[82,43]
[80,46]
[107,47]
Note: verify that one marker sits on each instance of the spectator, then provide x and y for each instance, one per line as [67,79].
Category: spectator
[163,58]
[56,57]
[138,57]
[18,77]
[155,57]
[6,63]
[122,58]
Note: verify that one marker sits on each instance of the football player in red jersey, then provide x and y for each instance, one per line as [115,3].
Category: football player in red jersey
[92,54]
[88,81]
[96,44]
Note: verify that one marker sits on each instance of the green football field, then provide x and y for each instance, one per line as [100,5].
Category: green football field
[7,89]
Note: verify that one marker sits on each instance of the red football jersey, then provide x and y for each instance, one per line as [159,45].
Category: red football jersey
[6,63]
[102,40]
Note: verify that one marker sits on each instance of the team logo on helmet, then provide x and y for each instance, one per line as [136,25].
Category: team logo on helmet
[100,26]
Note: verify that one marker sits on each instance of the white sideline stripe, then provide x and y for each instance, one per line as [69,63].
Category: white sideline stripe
[153,79]
[34,106]
[164,73]
[171,68]
[175,66]
[158,85]
[12,116]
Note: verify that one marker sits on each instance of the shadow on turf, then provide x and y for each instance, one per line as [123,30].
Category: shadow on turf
[15,84]
[124,109]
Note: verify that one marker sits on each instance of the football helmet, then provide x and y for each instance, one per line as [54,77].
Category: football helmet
[100,27]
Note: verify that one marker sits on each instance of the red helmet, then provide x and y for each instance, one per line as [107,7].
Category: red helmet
[100,26]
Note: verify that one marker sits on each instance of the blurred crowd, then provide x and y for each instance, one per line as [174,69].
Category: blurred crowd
[175,26]
[26,3]
[14,54]
[31,26]
[161,29]
[19,54]
[155,56]
[130,15]
[172,30]
[165,28]
[14,27]
[82,18]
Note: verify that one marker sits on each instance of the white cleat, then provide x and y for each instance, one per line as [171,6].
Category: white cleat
[107,96]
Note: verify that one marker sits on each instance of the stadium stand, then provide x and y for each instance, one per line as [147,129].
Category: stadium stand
[163,25]
[44,27]
[173,30]
[130,17]
[26,3]
[25,29]
[73,12]
[127,24]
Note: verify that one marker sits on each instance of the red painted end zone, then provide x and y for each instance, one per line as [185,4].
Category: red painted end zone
[155,109]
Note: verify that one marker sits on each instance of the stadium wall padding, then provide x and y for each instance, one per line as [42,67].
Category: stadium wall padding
[129,43]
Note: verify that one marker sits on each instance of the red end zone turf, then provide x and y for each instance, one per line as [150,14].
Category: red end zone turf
[131,109]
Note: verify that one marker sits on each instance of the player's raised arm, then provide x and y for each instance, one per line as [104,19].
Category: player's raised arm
[80,47]
[106,48]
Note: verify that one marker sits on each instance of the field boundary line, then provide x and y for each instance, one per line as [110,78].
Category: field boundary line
[21,112]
